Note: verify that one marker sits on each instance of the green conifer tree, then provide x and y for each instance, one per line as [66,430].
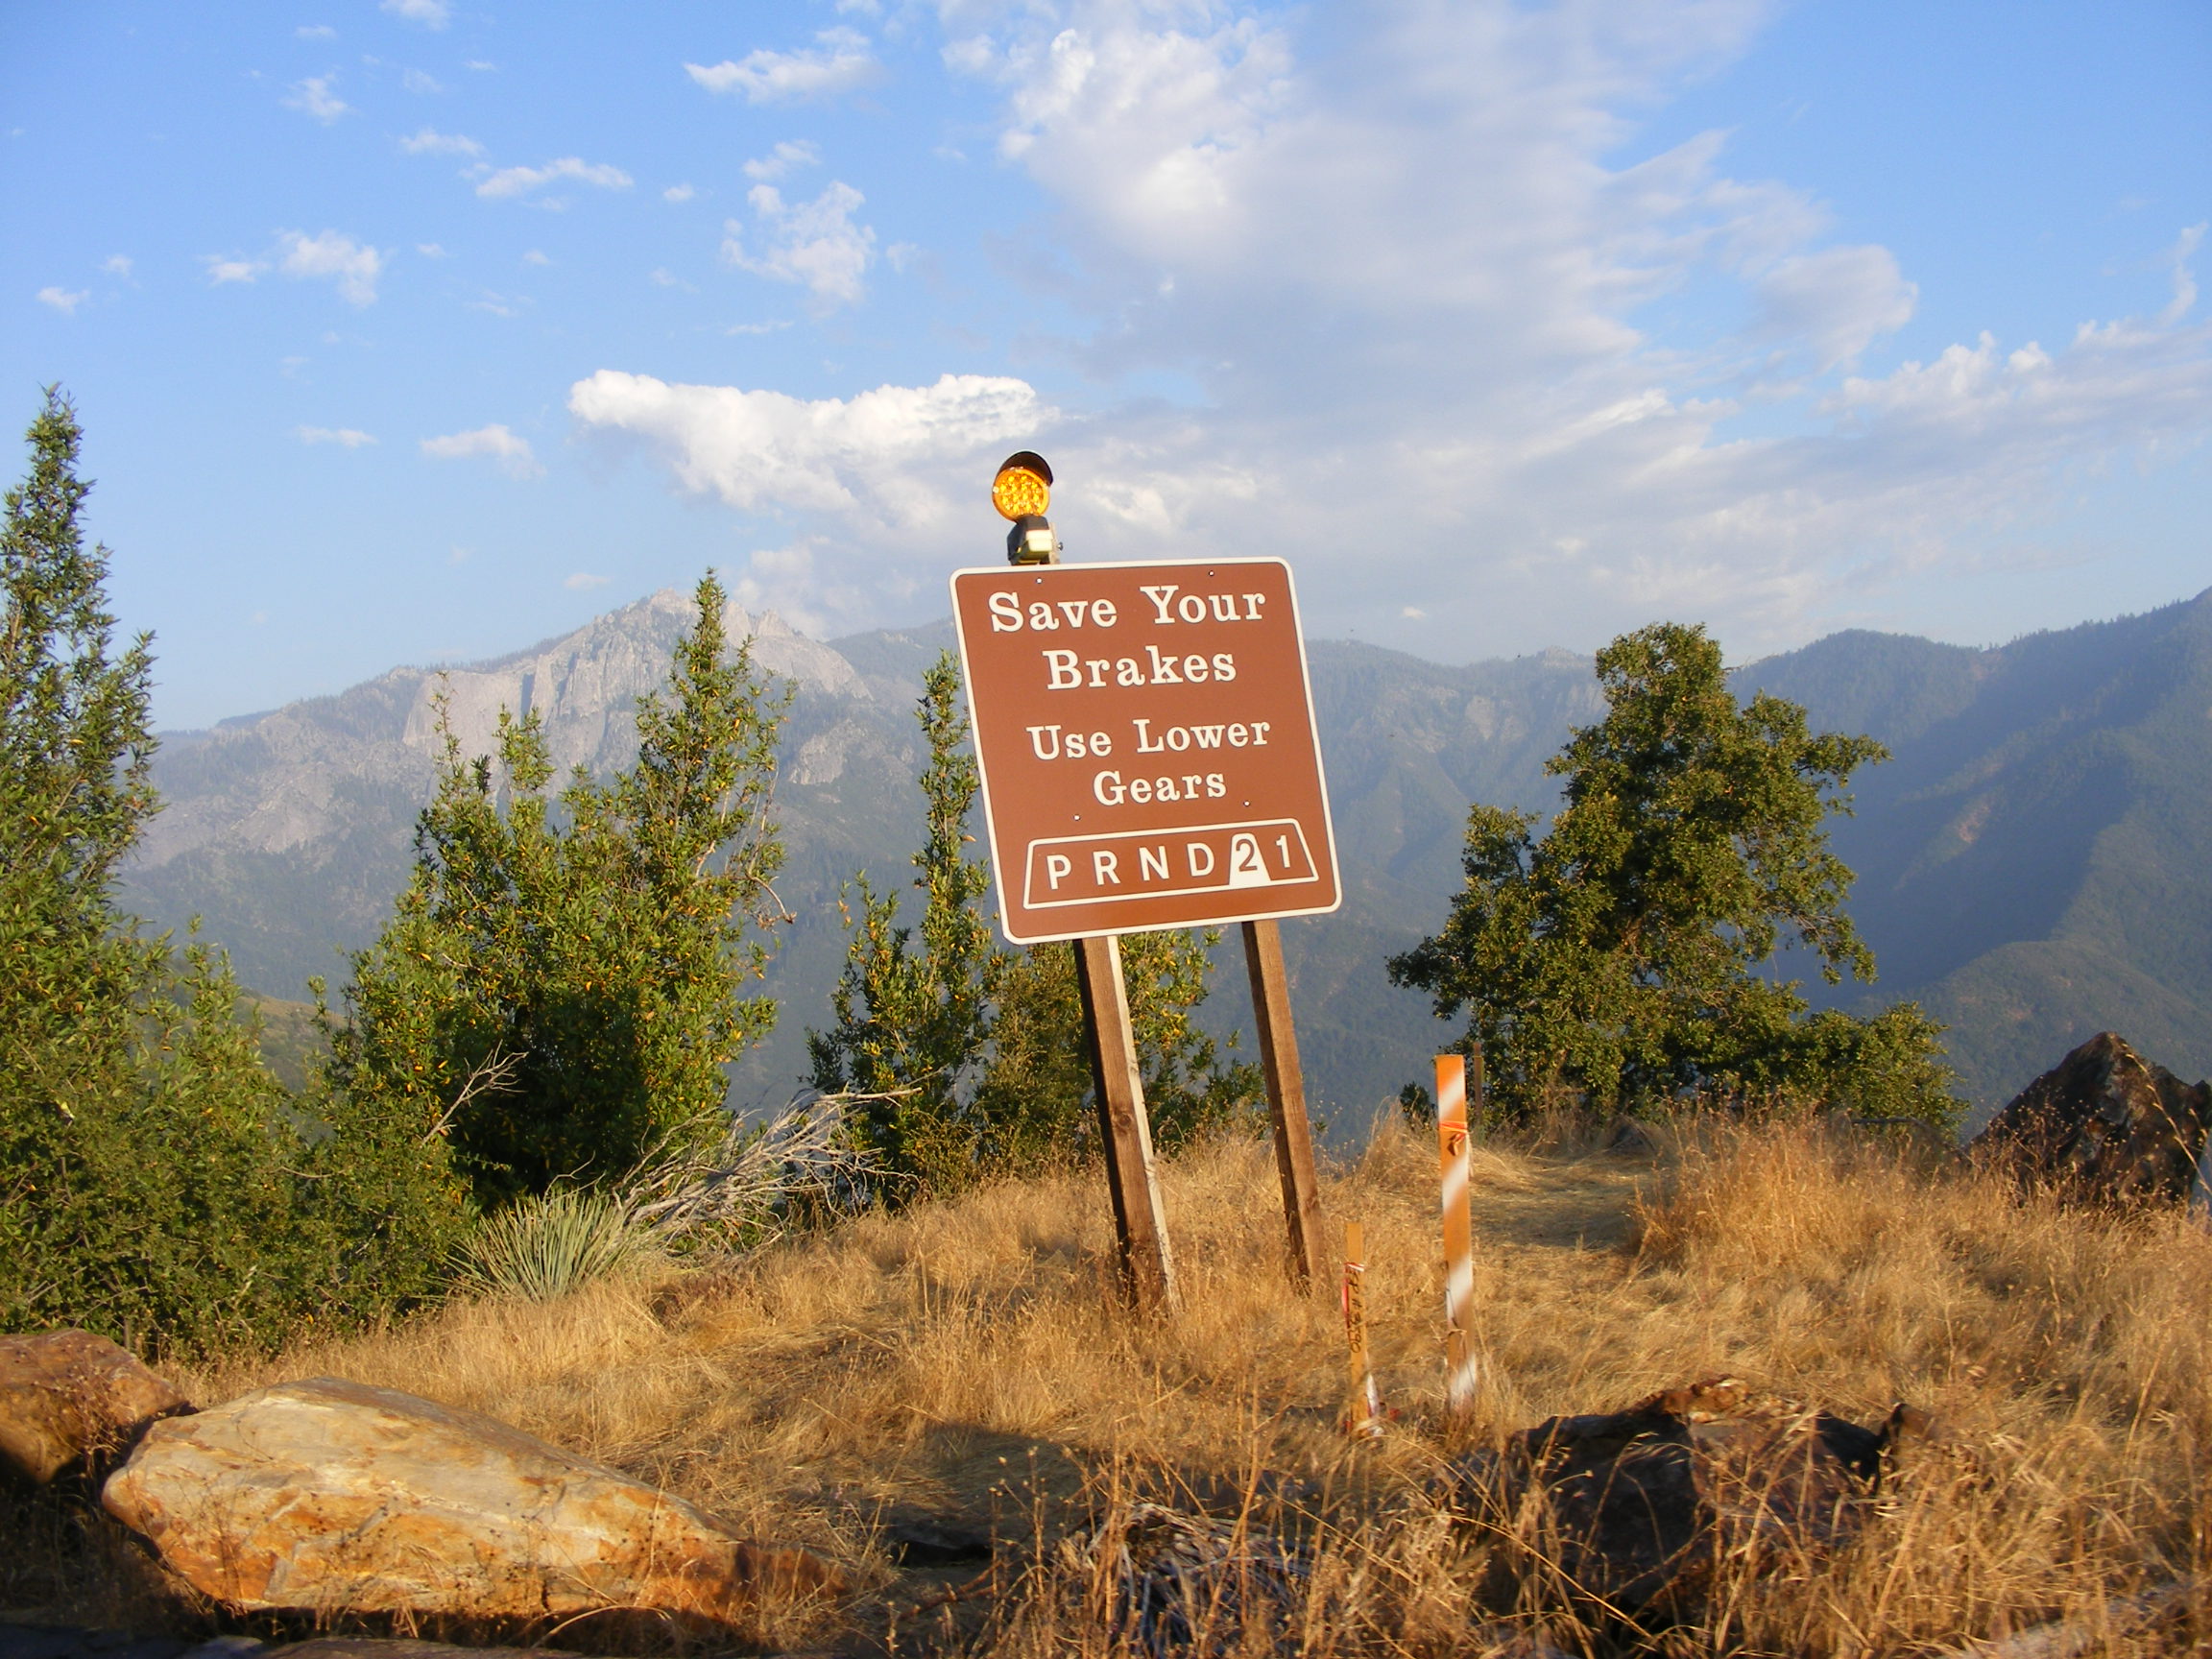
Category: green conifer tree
[156,1184]
[565,977]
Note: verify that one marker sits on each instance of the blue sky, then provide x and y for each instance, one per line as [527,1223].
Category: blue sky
[421,331]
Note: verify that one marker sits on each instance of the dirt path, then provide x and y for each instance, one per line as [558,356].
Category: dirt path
[1577,1204]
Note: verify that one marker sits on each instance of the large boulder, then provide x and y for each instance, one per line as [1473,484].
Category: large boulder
[2105,1123]
[69,1399]
[328,1496]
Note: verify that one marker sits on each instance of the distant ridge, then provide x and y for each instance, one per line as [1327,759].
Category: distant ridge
[2035,864]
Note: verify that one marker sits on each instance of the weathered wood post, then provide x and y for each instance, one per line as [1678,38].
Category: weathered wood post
[1286,1114]
[1365,1419]
[1140,1224]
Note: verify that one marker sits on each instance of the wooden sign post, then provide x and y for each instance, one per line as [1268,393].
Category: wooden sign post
[1144,735]
[1459,1374]
[1286,1102]
[1140,1224]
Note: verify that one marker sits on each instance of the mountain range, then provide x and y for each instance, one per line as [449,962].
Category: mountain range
[2034,862]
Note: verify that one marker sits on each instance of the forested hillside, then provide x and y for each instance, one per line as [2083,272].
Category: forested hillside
[2035,863]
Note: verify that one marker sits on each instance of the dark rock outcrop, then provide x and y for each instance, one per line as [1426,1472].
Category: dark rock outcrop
[1627,1512]
[2104,1124]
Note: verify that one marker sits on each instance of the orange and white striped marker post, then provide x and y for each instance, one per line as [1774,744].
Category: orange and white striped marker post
[1459,1373]
[1365,1419]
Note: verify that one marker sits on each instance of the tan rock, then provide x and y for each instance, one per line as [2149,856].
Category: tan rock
[68,1397]
[328,1496]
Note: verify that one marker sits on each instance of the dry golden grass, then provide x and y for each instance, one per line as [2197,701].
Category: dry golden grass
[972,1357]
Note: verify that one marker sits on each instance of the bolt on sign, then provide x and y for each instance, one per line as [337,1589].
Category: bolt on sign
[1146,737]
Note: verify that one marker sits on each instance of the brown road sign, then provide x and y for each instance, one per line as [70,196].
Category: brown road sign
[1146,734]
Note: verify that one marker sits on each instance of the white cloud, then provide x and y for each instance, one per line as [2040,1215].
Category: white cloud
[839,62]
[117,265]
[536,257]
[1837,301]
[430,249]
[678,193]
[430,13]
[896,458]
[314,97]
[429,141]
[1419,255]
[665,278]
[62,300]
[815,243]
[583,582]
[786,156]
[345,437]
[222,270]
[316,32]
[521,181]
[417,82]
[329,253]
[512,453]
[2184,279]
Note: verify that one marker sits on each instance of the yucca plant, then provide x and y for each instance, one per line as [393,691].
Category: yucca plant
[548,1244]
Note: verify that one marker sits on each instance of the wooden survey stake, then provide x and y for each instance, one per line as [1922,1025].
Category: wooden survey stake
[1459,1376]
[1139,1225]
[1365,1418]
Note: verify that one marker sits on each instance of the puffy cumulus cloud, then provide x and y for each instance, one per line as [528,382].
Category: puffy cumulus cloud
[345,437]
[221,269]
[792,152]
[522,181]
[430,13]
[894,459]
[354,268]
[429,141]
[1410,270]
[314,97]
[63,299]
[815,243]
[839,62]
[495,442]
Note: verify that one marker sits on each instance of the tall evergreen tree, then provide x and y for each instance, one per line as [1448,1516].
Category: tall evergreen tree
[912,1015]
[565,977]
[155,1184]
[1626,955]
